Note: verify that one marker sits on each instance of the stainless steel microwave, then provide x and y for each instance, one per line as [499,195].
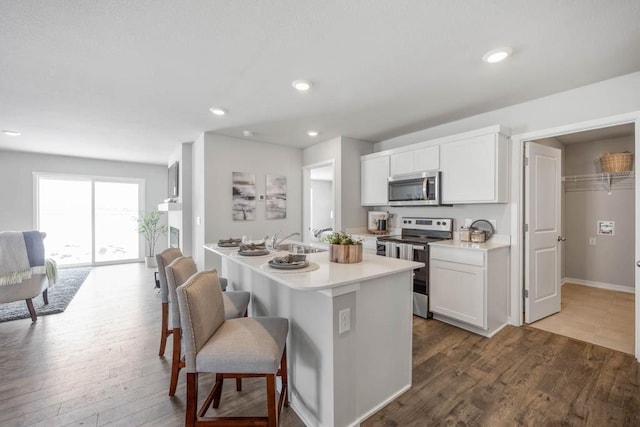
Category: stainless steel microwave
[415,189]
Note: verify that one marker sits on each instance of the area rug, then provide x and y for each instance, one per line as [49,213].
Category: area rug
[60,295]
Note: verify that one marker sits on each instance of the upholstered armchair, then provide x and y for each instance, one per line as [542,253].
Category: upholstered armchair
[11,248]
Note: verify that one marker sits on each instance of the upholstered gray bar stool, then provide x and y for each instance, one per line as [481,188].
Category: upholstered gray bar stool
[163,259]
[234,302]
[243,347]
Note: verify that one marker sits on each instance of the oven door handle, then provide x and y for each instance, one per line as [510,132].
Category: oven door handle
[415,248]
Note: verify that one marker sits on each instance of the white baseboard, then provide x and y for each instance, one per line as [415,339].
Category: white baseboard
[381,405]
[600,285]
[302,414]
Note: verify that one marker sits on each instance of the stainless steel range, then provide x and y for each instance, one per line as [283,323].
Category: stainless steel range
[413,245]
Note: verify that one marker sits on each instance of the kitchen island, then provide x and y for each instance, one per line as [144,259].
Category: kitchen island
[350,325]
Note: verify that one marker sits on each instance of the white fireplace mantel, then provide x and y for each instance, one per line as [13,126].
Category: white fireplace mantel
[167,207]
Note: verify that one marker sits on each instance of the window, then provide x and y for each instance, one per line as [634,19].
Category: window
[89,220]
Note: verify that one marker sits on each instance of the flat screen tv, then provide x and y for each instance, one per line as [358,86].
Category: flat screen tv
[172,183]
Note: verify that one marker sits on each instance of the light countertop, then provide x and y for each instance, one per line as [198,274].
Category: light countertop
[487,246]
[328,275]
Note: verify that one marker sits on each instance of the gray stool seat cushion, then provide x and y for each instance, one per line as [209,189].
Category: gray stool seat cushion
[235,303]
[245,345]
[223,283]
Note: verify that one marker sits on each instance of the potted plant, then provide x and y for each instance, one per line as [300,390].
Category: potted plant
[149,226]
[343,248]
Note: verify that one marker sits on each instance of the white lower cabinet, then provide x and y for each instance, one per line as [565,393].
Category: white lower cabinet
[468,287]
[458,291]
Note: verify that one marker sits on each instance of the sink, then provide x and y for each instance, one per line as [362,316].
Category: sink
[306,249]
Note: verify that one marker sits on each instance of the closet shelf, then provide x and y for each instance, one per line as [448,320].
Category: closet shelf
[597,176]
[605,178]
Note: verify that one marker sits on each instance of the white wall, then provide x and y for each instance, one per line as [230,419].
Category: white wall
[353,214]
[198,195]
[16,176]
[611,260]
[216,157]
[602,99]
[181,219]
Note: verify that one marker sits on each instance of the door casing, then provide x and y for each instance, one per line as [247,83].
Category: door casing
[516,205]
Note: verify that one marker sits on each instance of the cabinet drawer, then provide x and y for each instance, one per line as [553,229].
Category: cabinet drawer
[461,256]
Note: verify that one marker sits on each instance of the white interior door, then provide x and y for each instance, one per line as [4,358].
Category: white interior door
[542,231]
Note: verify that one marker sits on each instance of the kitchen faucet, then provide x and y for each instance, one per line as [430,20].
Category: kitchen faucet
[274,239]
[318,232]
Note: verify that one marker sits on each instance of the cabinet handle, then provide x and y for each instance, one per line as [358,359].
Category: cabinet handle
[561,239]
[638,263]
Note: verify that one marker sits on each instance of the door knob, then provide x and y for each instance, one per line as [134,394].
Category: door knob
[561,239]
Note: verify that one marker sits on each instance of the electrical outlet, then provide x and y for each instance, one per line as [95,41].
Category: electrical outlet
[345,320]
[494,223]
[592,241]
[198,221]
[467,222]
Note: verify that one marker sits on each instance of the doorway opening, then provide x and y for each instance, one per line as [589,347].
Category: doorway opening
[595,242]
[88,220]
[319,201]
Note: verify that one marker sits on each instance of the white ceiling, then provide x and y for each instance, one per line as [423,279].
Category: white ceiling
[600,134]
[129,80]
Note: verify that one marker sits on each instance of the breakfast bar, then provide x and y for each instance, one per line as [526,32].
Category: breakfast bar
[350,329]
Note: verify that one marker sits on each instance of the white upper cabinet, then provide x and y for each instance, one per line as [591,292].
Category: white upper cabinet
[420,160]
[474,167]
[475,170]
[374,173]
[427,159]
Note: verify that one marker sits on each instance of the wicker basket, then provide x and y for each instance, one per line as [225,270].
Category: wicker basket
[616,162]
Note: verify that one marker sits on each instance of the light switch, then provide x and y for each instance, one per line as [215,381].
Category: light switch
[592,241]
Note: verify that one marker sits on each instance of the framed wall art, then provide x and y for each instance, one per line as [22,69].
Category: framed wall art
[244,196]
[276,203]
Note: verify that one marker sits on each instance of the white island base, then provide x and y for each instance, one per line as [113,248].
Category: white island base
[337,379]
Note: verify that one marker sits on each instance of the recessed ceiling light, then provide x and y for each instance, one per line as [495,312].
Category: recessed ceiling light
[247,133]
[312,132]
[497,55]
[301,85]
[218,111]
[11,132]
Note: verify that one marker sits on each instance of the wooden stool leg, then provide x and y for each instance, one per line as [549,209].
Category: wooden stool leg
[45,296]
[175,361]
[238,384]
[164,331]
[192,400]
[217,390]
[284,377]
[271,401]
[32,310]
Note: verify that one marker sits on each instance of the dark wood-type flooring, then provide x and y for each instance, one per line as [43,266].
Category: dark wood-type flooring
[96,364]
